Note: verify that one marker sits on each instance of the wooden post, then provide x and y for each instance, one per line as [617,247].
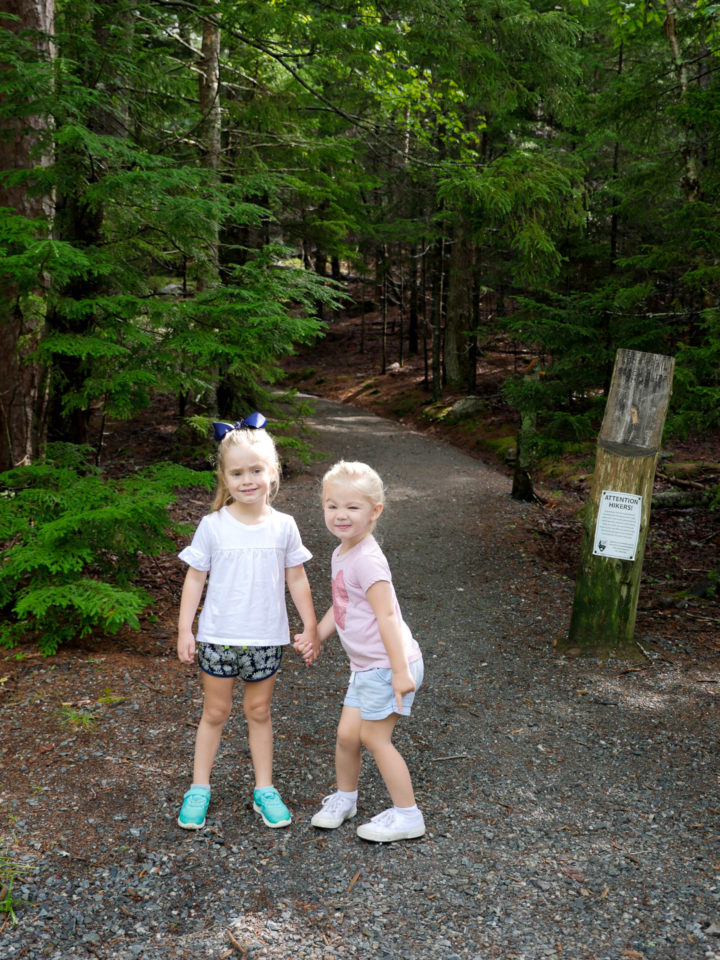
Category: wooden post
[522,487]
[607,586]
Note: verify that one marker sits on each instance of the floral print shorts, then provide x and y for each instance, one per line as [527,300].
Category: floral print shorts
[249,663]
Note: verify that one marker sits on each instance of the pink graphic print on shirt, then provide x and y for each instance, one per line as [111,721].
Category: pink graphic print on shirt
[340,599]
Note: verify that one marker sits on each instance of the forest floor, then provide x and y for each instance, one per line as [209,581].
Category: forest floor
[572,804]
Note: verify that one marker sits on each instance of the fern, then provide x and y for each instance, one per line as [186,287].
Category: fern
[71,540]
[68,611]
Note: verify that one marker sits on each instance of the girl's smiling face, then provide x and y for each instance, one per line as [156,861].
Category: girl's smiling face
[349,515]
[247,476]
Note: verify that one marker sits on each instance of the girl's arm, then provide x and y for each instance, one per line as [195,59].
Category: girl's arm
[326,627]
[189,602]
[380,598]
[306,643]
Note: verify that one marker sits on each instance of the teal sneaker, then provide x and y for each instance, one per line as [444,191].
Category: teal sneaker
[195,804]
[267,802]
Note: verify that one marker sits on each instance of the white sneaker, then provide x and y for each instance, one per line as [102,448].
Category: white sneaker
[391,825]
[335,810]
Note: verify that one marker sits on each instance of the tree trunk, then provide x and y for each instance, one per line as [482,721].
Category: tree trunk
[680,499]
[321,271]
[226,389]
[211,131]
[438,292]
[22,311]
[691,180]
[522,488]
[459,321]
[381,282]
[413,322]
[614,223]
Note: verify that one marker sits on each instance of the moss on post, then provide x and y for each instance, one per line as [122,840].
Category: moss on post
[607,588]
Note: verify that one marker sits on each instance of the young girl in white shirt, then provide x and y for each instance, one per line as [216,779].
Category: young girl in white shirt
[386,662]
[250,551]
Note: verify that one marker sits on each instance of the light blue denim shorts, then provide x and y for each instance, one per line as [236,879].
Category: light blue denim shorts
[372,692]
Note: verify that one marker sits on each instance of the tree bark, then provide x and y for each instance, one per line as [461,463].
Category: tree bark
[22,311]
[438,292]
[522,487]
[413,321]
[691,179]
[211,134]
[459,321]
[680,499]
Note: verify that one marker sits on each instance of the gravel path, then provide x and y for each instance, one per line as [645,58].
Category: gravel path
[572,806]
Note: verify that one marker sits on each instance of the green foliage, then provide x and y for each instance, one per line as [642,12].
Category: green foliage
[78,719]
[286,414]
[696,385]
[557,137]
[523,203]
[71,542]
[561,419]
[9,873]
[136,208]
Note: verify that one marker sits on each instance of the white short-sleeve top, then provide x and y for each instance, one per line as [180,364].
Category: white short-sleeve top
[245,599]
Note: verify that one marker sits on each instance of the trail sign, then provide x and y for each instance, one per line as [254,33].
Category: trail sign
[617,529]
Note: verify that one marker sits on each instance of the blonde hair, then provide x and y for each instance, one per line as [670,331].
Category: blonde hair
[258,440]
[359,475]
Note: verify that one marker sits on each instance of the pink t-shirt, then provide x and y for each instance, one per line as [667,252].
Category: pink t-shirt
[353,573]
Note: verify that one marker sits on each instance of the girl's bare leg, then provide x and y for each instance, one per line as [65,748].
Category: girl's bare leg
[348,750]
[256,705]
[376,736]
[216,709]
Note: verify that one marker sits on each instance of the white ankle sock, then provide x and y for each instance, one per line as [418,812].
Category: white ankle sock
[349,794]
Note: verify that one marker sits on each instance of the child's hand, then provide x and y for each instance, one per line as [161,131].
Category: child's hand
[403,683]
[304,648]
[186,647]
[307,645]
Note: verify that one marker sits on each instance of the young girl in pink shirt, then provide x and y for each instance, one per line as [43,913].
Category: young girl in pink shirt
[385,659]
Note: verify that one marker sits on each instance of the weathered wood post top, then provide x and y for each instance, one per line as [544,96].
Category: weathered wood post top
[637,403]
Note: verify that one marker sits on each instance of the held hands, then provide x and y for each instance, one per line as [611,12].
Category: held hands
[308,645]
[402,682]
[186,647]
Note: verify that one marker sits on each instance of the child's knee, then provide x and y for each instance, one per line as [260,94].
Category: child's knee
[348,739]
[256,711]
[216,713]
[376,734]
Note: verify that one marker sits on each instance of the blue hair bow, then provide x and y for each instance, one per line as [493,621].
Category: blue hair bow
[253,421]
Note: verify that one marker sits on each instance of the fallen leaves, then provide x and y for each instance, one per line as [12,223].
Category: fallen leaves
[574,873]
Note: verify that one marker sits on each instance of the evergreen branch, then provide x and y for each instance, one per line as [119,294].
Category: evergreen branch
[281,60]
